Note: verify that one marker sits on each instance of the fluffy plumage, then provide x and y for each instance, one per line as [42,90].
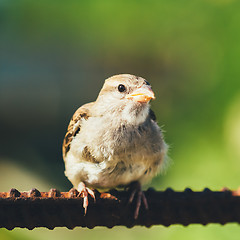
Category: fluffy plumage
[115,140]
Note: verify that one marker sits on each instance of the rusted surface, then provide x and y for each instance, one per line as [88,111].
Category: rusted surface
[64,209]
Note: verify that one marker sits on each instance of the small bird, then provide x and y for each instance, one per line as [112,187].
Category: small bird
[115,141]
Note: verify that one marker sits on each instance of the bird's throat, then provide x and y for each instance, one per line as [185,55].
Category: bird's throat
[135,114]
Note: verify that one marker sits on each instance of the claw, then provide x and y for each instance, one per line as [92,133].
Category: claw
[84,192]
[135,188]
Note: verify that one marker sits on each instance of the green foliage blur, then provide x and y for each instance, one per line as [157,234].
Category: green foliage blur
[54,57]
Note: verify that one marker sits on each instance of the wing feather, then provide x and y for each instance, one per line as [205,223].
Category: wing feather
[152,115]
[75,126]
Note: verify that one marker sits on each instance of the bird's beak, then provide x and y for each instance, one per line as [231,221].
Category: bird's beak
[143,94]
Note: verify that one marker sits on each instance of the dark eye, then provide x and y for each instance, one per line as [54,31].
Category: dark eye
[147,83]
[121,88]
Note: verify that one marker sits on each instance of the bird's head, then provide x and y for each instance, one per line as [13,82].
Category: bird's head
[126,94]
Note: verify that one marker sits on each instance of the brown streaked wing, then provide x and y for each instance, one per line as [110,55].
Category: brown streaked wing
[75,125]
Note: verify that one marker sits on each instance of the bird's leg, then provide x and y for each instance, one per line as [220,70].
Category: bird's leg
[135,189]
[84,192]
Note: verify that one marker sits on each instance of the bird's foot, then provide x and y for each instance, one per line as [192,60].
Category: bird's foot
[135,189]
[84,192]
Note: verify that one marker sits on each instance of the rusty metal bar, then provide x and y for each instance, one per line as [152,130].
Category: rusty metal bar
[64,209]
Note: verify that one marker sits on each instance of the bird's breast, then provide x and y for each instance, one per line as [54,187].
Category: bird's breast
[112,154]
[116,141]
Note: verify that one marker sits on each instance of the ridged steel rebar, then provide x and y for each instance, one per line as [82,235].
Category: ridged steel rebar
[64,209]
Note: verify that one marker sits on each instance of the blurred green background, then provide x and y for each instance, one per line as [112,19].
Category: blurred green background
[54,57]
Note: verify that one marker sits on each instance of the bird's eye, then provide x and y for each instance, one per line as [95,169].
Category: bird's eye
[147,83]
[121,88]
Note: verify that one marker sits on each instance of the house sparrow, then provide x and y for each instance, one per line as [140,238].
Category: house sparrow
[115,141]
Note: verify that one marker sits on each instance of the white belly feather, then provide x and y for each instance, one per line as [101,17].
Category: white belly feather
[118,160]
